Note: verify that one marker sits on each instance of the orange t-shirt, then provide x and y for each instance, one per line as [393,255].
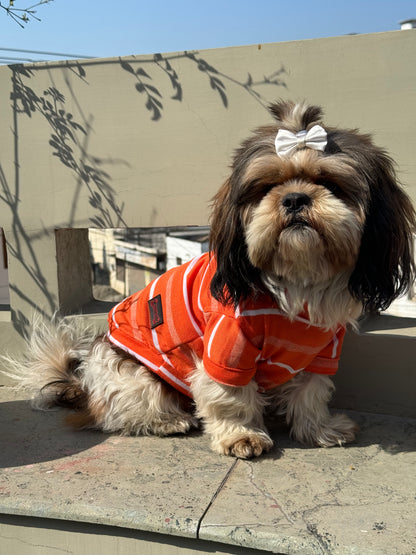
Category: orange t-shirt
[175,319]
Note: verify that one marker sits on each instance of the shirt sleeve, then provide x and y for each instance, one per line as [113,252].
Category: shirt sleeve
[327,360]
[229,356]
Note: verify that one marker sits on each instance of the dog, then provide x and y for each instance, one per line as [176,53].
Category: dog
[310,231]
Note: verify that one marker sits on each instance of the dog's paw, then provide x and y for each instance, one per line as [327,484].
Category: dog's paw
[243,445]
[337,430]
[179,425]
[163,427]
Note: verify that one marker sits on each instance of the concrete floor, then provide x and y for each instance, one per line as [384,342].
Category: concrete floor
[357,499]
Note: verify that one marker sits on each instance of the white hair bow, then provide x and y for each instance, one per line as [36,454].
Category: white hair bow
[286,141]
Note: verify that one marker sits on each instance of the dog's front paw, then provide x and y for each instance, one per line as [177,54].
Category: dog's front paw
[243,445]
[171,426]
[337,430]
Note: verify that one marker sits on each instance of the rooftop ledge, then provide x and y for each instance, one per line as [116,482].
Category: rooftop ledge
[380,324]
[377,324]
[387,324]
[354,499]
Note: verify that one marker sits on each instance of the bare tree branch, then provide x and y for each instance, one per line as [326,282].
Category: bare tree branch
[21,16]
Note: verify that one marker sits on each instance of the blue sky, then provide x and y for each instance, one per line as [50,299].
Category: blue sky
[112,28]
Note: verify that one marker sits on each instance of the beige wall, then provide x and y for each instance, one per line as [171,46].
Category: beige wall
[143,140]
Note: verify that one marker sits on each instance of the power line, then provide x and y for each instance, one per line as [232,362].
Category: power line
[13,59]
[45,53]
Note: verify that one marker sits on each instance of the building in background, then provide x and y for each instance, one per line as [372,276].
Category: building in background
[408,24]
[126,260]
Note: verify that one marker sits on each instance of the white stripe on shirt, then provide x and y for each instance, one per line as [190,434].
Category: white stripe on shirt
[335,347]
[113,314]
[277,312]
[186,298]
[214,331]
[154,333]
[149,364]
[285,366]
[201,288]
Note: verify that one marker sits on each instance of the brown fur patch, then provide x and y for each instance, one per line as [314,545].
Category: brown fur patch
[68,394]
[88,417]
[80,420]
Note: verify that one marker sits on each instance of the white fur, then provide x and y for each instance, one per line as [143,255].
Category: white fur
[232,416]
[50,347]
[330,304]
[304,400]
[125,397]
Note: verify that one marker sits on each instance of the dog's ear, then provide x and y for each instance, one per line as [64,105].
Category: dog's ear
[235,277]
[385,268]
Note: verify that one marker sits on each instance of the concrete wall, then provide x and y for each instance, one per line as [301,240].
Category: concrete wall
[35,536]
[146,141]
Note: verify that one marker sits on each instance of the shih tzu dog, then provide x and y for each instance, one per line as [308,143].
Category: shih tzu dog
[310,230]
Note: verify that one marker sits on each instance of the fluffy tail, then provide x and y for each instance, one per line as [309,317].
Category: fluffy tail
[49,367]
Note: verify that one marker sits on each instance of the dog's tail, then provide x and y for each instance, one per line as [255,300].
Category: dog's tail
[51,365]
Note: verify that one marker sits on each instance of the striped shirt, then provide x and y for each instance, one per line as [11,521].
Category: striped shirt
[175,319]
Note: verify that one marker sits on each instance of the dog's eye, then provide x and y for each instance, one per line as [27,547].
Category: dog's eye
[254,193]
[267,188]
[331,186]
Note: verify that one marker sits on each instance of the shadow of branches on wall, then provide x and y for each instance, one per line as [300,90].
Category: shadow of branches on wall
[21,248]
[68,141]
[145,84]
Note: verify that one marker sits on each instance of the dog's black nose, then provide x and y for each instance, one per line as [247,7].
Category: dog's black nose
[294,202]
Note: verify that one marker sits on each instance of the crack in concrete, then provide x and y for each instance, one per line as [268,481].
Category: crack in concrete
[325,540]
[220,487]
[266,494]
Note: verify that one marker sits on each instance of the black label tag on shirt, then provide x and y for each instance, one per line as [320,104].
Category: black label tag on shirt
[155,311]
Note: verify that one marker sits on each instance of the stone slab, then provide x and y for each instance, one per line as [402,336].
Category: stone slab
[355,499]
[146,483]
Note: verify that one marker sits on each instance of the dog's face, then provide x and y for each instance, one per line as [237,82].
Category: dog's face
[307,215]
[305,218]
